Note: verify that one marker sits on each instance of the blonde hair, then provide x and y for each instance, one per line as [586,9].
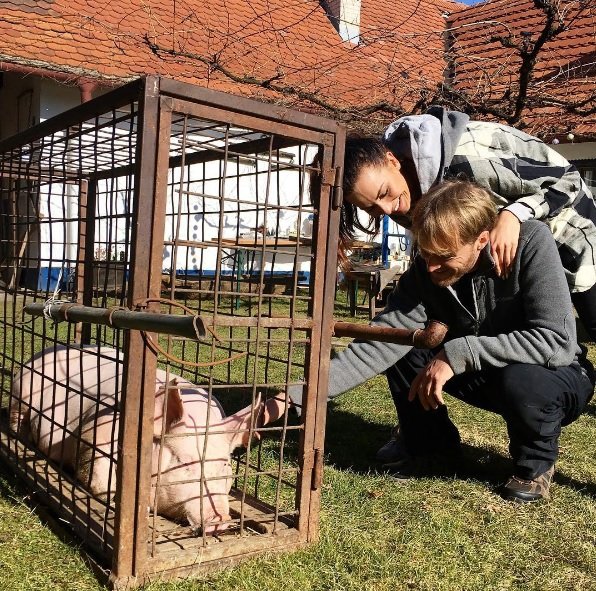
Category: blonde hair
[450,215]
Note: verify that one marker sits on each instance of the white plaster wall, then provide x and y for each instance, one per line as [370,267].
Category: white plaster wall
[55,98]
[49,98]
[200,213]
[346,18]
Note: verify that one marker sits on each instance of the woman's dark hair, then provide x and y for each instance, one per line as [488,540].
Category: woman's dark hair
[362,151]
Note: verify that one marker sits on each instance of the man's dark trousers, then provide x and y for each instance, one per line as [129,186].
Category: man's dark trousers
[535,402]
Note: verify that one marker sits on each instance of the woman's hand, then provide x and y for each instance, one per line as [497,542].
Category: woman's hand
[503,242]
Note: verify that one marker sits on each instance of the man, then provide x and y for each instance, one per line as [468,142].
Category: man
[511,346]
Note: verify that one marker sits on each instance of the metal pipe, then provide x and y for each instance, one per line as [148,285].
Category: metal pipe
[191,327]
[87,87]
[91,314]
[428,338]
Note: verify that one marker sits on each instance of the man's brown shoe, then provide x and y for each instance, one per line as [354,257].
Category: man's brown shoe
[525,491]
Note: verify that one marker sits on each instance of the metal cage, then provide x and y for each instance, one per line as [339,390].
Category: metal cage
[158,206]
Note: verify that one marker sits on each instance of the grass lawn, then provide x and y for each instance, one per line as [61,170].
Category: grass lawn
[448,530]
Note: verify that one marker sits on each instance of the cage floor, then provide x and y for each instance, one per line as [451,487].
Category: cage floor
[170,545]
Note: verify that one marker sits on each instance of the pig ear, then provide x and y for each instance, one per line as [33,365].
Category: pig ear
[237,426]
[175,407]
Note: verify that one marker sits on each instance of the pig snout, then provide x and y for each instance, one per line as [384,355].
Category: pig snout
[192,490]
[215,528]
[209,513]
[213,524]
[216,513]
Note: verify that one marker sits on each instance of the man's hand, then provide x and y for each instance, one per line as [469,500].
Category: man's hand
[428,384]
[273,409]
[503,242]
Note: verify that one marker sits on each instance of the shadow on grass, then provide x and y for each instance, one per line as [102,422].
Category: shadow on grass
[351,443]
[590,410]
[11,488]
[587,489]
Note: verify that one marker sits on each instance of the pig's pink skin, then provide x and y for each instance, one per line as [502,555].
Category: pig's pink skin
[69,421]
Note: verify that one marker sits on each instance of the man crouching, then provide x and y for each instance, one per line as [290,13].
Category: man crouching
[511,347]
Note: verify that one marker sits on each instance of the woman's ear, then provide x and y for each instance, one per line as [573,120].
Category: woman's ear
[392,160]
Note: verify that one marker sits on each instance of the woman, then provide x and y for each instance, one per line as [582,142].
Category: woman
[526,178]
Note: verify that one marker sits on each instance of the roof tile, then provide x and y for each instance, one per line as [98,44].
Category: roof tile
[260,38]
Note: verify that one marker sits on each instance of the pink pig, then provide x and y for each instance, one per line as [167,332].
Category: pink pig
[65,401]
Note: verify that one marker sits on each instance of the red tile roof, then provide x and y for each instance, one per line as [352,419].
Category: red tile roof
[408,37]
[289,42]
[565,70]
[223,44]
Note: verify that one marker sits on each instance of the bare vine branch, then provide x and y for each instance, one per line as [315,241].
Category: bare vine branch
[214,64]
[521,95]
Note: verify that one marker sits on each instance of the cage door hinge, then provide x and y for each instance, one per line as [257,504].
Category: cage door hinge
[333,177]
[317,470]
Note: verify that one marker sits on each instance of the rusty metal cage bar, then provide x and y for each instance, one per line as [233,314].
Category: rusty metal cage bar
[136,428]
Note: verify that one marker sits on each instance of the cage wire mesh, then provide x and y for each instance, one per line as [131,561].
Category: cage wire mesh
[44,194]
[237,243]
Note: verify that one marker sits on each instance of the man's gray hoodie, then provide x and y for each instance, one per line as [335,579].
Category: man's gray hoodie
[525,318]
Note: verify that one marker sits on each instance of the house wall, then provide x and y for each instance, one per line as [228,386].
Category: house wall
[25,101]
[28,100]
[56,98]
[577,151]
[583,155]
[19,102]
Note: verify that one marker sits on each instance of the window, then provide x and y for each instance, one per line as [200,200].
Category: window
[587,168]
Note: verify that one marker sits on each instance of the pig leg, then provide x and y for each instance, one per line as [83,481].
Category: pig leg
[97,471]
[19,410]
[96,462]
